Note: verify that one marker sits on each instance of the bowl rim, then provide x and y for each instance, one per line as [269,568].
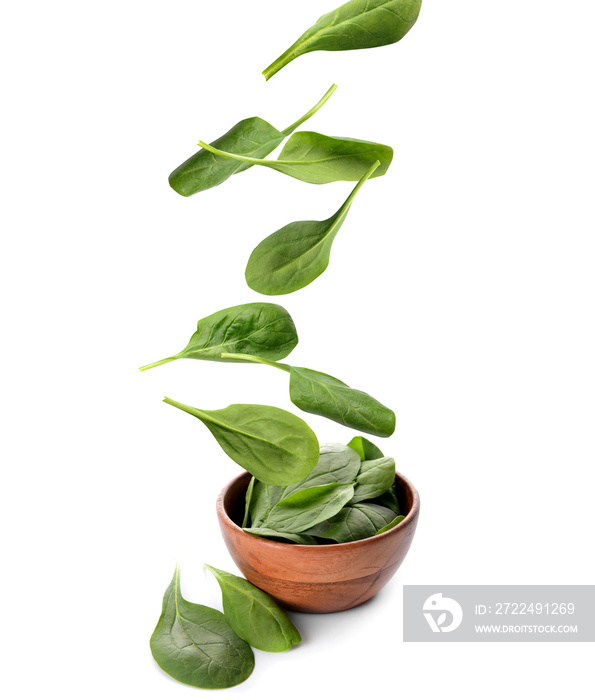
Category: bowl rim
[409,518]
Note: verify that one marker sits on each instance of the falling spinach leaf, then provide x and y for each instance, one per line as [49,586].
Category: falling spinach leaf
[323,395]
[365,449]
[195,644]
[253,615]
[392,524]
[249,137]
[374,478]
[353,522]
[319,159]
[272,444]
[298,253]
[266,329]
[358,24]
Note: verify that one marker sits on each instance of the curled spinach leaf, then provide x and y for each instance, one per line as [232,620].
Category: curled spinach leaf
[270,443]
[298,253]
[319,159]
[253,615]
[324,395]
[250,137]
[358,24]
[365,449]
[196,645]
[392,524]
[262,328]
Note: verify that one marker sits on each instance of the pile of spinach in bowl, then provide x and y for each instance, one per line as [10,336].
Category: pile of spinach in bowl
[349,495]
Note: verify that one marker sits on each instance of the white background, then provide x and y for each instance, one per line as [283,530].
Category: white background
[460,292]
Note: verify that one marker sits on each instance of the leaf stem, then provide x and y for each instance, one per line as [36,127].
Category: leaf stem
[312,112]
[160,362]
[254,358]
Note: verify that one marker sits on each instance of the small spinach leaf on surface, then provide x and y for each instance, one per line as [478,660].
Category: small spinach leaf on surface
[250,137]
[253,615]
[263,328]
[298,253]
[272,444]
[196,645]
[374,478]
[319,159]
[353,522]
[358,24]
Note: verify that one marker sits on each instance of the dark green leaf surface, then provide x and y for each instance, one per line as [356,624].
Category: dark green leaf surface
[253,615]
[354,522]
[270,443]
[281,536]
[304,509]
[374,478]
[389,499]
[337,464]
[392,524]
[257,328]
[319,159]
[298,253]
[365,449]
[327,396]
[249,137]
[358,24]
[195,644]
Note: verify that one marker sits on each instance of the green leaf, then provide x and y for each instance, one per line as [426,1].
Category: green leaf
[353,522]
[365,449]
[253,615]
[328,396]
[272,444]
[319,159]
[305,508]
[390,526]
[323,395]
[267,533]
[298,253]
[248,499]
[337,464]
[389,499]
[375,478]
[249,137]
[358,24]
[195,644]
[257,327]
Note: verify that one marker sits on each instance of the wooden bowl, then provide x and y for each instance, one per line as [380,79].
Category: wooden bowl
[317,578]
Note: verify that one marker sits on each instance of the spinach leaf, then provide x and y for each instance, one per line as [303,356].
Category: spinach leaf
[319,159]
[298,253]
[358,24]
[272,444]
[337,464]
[281,536]
[323,395]
[248,500]
[195,644]
[365,449]
[307,507]
[353,522]
[258,327]
[389,499]
[250,137]
[390,526]
[374,478]
[253,615]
